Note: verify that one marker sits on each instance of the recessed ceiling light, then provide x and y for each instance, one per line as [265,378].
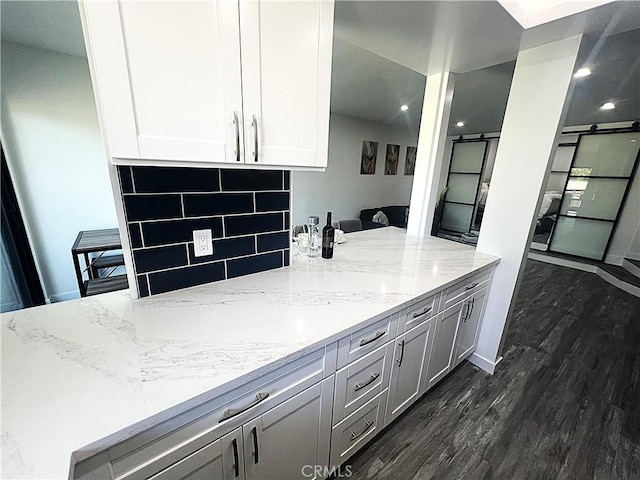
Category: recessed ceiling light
[460,124]
[404,108]
[608,106]
[582,72]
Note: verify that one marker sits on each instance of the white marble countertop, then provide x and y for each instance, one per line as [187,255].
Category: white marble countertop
[92,371]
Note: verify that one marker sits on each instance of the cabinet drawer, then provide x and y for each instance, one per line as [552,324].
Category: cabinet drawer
[360,381]
[366,340]
[461,290]
[153,450]
[357,429]
[418,313]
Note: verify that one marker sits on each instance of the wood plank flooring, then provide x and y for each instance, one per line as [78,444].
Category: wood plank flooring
[563,404]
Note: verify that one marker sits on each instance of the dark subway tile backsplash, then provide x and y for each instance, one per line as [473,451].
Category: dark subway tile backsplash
[135,237]
[244,266]
[251,180]
[272,201]
[126,183]
[175,179]
[143,285]
[164,205]
[218,204]
[273,241]
[178,231]
[161,282]
[256,223]
[152,207]
[226,248]
[160,258]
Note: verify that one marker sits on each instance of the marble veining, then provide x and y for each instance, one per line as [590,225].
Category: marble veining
[80,375]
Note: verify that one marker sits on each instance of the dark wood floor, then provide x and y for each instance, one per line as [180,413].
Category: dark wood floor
[563,404]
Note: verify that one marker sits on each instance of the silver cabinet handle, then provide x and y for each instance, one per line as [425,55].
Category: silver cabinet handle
[360,386]
[237,125]
[366,341]
[233,412]
[424,312]
[236,462]
[367,426]
[473,285]
[471,305]
[254,124]
[254,433]
[465,310]
[399,360]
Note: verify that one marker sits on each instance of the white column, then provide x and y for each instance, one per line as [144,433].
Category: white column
[431,141]
[536,109]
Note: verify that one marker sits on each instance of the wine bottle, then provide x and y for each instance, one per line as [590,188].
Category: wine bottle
[328,236]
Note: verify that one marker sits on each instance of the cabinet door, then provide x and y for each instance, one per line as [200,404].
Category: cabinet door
[167,78]
[409,366]
[470,325]
[296,433]
[441,357]
[206,463]
[286,79]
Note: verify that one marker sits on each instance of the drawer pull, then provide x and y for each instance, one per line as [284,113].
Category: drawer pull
[254,434]
[424,312]
[367,426]
[233,412]
[473,285]
[236,462]
[399,360]
[368,382]
[366,341]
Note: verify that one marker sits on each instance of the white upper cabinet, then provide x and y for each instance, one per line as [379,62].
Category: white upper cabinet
[213,81]
[286,79]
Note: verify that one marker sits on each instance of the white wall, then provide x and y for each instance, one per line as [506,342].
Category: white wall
[56,157]
[341,189]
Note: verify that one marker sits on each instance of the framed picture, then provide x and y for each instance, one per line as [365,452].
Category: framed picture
[391,160]
[410,162]
[369,154]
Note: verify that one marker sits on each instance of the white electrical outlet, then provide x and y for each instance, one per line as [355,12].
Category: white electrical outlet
[202,243]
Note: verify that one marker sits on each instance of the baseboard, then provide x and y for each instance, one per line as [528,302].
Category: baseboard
[631,267]
[633,256]
[613,260]
[481,362]
[631,289]
[585,267]
[543,247]
[63,297]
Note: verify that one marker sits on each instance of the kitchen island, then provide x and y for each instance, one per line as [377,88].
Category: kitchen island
[81,376]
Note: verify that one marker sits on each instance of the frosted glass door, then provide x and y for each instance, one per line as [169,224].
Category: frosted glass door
[465,172]
[598,180]
[593,197]
[581,237]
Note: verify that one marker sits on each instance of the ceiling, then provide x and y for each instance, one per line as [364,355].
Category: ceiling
[367,86]
[383,49]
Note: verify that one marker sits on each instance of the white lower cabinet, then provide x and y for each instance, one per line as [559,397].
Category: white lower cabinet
[288,439]
[469,327]
[409,367]
[441,358]
[286,442]
[205,463]
[352,433]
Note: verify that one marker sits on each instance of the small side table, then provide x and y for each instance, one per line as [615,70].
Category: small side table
[94,241]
